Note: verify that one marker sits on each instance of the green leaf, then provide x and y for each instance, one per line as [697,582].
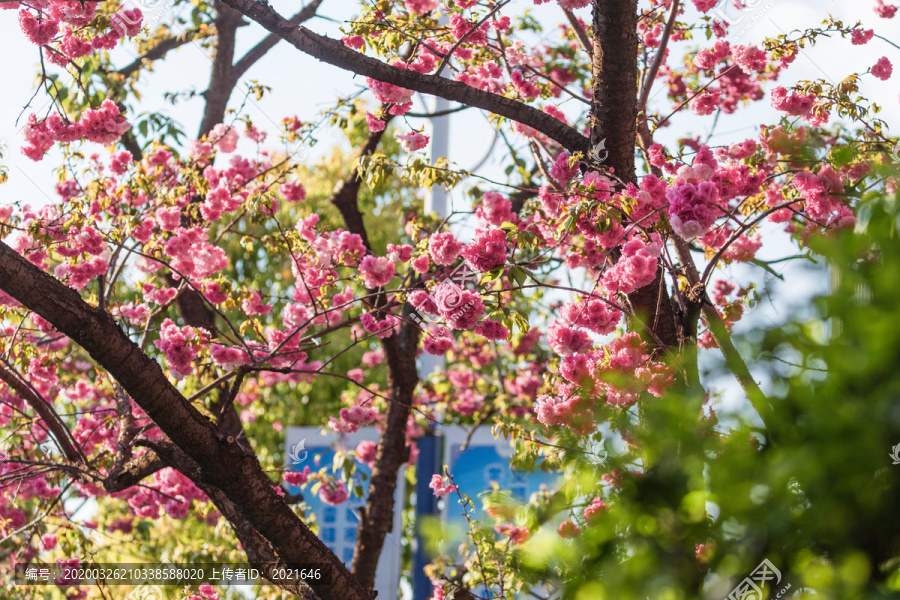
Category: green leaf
[518,274]
[494,274]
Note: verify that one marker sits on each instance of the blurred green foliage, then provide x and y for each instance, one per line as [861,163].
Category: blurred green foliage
[696,507]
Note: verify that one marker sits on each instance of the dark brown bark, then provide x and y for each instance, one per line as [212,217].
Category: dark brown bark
[161,49]
[259,552]
[221,463]
[335,53]
[346,192]
[400,354]
[267,43]
[653,312]
[392,453]
[614,122]
[615,83]
[132,472]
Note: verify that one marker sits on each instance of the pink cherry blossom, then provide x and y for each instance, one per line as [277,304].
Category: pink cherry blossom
[565,341]
[561,171]
[885,11]
[595,314]
[253,305]
[636,267]
[492,330]
[882,69]
[567,410]
[420,6]
[376,271]
[487,251]
[568,530]
[421,264]
[333,492]
[460,310]
[296,478]
[705,5]
[861,36]
[693,208]
[412,141]
[366,452]
[293,191]
[438,342]
[495,209]
[443,248]
[441,486]
[374,123]
[224,138]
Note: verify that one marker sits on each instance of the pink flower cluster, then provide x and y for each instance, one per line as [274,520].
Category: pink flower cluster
[883,69]
[333,492]
[296,478]
[179,344]
[495,209]
[438,342]
[192,255]
[351,420]
[441,486]
[391,94]
[487,251]
[443,248]
[172,491]
[568,409]
[693,208]
[461,309]
[595,315]
[103,125]
[376,271]
[635,269]
[412,141]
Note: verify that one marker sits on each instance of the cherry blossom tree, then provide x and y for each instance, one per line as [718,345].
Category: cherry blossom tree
[179,301]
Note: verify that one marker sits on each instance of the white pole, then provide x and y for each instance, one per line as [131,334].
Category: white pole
[436,200]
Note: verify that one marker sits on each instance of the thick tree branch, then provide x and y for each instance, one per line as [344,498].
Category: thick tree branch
[400,352]
[614,119]
[580,33]
[335,53]
[259,552]
[161,49]
[614,88]
[221,462]
[132,472]
[221,81]
[267,43]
